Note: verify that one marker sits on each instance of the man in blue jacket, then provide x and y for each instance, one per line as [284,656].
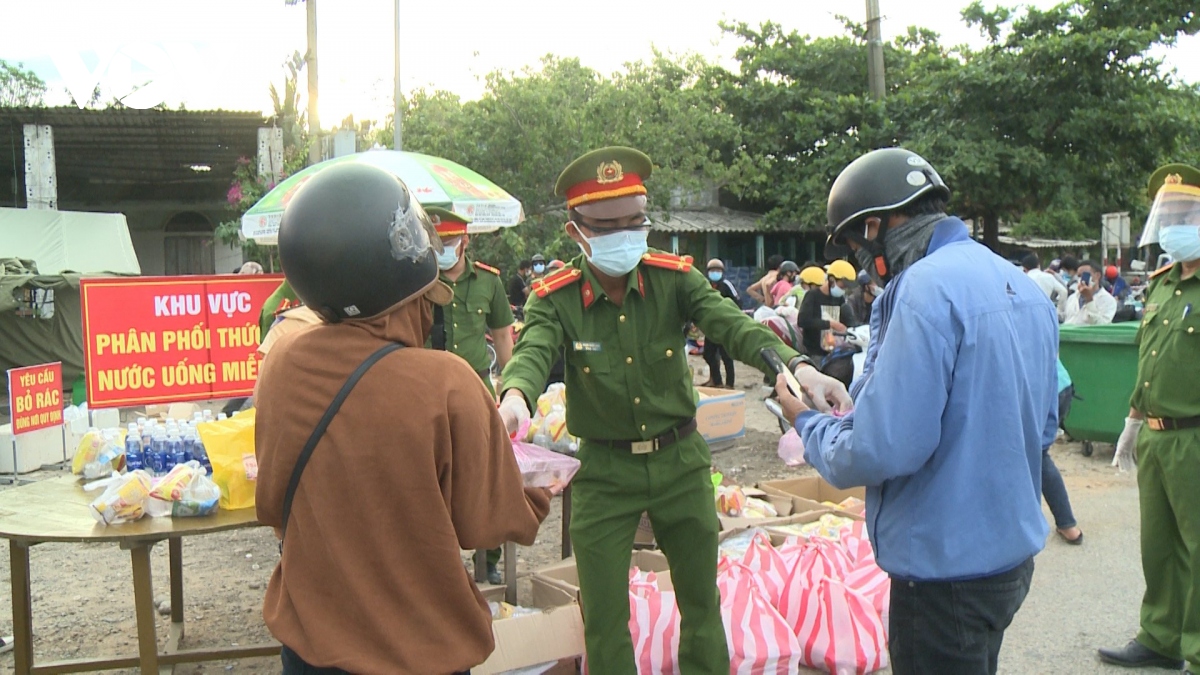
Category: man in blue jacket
[958,398]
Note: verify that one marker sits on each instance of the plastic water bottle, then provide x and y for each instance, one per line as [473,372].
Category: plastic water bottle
[200,454]
[160,461]
[134,459]
[175,451]
[189,444]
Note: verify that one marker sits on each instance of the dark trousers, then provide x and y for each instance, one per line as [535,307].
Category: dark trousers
[714,355]
[1055,492]
[294,665]
[954,627]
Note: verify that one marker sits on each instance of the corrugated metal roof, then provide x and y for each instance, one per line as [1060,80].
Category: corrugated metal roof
[724,221]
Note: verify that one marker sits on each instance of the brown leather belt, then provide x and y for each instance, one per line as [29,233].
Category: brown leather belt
[1168,424]
[646,447]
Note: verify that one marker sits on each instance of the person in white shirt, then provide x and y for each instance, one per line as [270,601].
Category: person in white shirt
[1089,304]
[1050,284]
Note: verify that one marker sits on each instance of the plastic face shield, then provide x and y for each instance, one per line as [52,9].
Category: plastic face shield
[1175,204]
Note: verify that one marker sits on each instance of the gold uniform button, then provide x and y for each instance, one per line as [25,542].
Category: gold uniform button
[1153,352]
[1178,292]
[586,369]
[637,400]
[479,311]
[1166,321]
[456,325]
[622,318]
[670,353]
[643,427]
[454,304]
[1191,329]
[628,359]
[456,346]
[1146,385]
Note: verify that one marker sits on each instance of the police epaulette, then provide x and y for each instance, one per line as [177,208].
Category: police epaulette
[668,261]
[560,279]
[487,268]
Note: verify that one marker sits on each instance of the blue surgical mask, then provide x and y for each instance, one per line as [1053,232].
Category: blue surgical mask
[448,257]
[618,253]
[538,269]
[837,291]
[715,276]
[1181,242]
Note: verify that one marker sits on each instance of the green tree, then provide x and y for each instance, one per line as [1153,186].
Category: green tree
[19,87]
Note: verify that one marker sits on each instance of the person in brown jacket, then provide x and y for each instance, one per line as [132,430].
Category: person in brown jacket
[415,466]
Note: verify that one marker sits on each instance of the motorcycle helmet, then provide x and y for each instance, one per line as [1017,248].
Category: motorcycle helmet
[880,181]
[842,270]
[354,242]
[787,266]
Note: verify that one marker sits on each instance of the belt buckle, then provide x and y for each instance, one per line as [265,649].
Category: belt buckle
[1156,423]
[642,447]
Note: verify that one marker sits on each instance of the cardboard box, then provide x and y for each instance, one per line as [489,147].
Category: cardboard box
[32,450]
[777,538]
[554,635]
[564,576]
[645,533]
[808,493]
[182,411]
[721,414]
[106,418]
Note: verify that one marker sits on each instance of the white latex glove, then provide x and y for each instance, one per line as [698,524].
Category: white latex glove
[1125,458]
[514,411]
[825,393]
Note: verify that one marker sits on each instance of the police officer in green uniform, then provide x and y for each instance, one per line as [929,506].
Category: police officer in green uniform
[480,303]
[619,311]
[480,306]
[1162,432]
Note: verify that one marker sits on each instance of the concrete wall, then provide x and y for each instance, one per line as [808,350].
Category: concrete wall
[148,245]
[226,257]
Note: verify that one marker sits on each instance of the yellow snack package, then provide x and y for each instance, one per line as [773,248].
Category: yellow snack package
[124,499]
[230,446]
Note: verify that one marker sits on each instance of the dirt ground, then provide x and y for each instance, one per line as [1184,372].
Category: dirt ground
[82,595]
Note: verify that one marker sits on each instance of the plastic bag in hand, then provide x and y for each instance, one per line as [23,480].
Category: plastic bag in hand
[791,448]
[124,497]
[543,468]
[548,428]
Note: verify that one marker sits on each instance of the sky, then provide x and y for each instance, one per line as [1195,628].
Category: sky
[224,53]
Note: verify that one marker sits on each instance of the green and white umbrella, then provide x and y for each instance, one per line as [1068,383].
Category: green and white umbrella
[433,180]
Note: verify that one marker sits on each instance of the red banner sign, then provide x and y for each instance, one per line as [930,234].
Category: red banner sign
[35,397]
[171,339]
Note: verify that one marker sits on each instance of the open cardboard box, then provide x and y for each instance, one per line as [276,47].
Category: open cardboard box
[809,492]
[721,414]
[554,635]
[777,538]
[564,576]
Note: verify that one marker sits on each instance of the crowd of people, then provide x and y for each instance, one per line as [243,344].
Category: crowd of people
[376,390]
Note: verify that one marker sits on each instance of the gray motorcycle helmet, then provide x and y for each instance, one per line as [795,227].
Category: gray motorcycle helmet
[354,242]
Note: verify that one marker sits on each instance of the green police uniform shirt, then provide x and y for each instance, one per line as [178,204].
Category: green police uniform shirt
[1169,348]
[627,373]
[480,303]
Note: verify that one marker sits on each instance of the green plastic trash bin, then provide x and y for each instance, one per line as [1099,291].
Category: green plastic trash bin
[1102,361]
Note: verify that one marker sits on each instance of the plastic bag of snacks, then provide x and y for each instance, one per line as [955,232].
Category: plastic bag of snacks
[548,428]
[100,452]
[542,468]
[184,492]
[124,497]
[230,447]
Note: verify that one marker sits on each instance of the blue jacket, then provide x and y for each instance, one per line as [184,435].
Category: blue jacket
[957,399]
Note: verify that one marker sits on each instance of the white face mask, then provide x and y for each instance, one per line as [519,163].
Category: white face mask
[836,291]
[615,254]
[448,258]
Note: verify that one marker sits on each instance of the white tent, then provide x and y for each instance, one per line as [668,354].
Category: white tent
[68,241]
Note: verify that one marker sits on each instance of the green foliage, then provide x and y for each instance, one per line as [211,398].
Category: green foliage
[19,87]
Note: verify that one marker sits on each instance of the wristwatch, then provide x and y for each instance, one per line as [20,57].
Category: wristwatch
[795,362]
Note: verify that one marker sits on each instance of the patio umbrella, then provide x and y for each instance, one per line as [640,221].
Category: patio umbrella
[433,180]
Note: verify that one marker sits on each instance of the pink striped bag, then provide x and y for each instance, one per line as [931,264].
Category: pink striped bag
[760,641]
[840,631]
[771,569]
[653,625]
[819,558]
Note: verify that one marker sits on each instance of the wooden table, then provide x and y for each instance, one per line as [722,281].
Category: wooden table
[57,511]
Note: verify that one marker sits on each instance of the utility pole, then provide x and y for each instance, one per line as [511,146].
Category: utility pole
[398,116]
[314,122]
[874,51]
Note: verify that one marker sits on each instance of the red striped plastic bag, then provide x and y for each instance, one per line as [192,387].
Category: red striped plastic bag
[760,641]
[653,625]
[818,558]
[771,569]
[840,631]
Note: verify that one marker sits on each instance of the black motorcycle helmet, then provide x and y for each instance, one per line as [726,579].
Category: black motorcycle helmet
[788,266]
[880,181]
[354,242]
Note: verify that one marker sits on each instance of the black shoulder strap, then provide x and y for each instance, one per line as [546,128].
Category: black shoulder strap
[319,431]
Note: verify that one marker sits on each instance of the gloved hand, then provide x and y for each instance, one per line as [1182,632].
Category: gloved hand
[1125,458]
[825,393]
[514,411]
